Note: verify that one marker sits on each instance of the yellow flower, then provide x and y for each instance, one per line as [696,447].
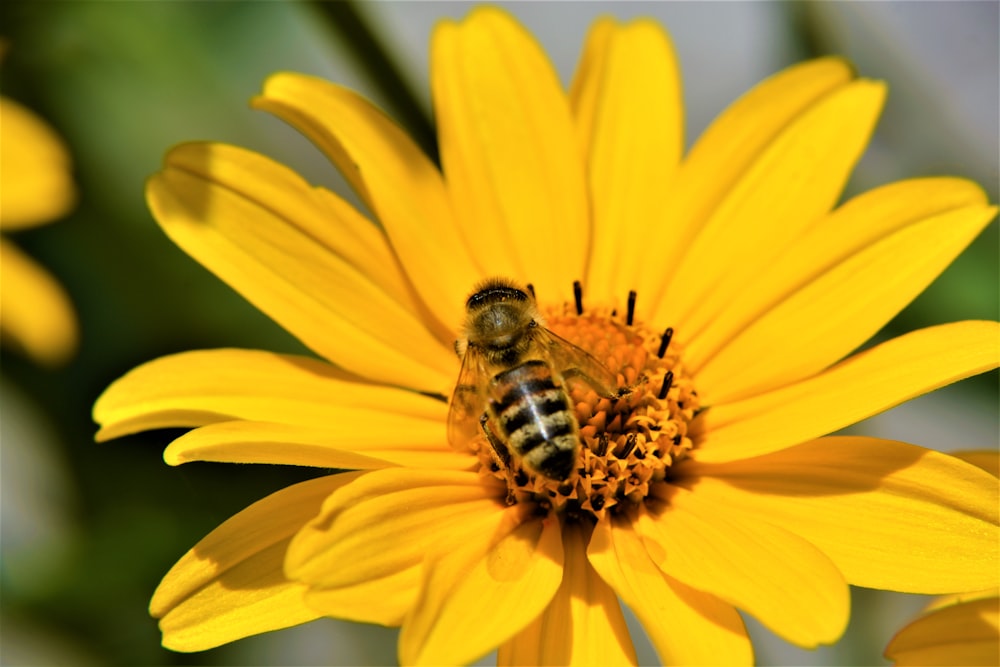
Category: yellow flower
[707,488]
[35,188]
[962,629]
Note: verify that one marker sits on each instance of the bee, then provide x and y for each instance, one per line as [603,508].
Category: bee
[513,386]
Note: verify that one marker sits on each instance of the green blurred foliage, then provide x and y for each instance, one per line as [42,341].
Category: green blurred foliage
[122,82]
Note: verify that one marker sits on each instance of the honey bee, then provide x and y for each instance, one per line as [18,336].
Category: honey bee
[513,383]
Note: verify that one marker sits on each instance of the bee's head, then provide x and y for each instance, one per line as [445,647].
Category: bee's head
[498,314]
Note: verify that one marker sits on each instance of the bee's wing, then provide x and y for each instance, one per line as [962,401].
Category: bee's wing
[468,401]
[574,364]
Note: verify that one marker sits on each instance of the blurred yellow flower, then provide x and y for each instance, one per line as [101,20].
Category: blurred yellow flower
[722,286]
[35,188]
[961,629]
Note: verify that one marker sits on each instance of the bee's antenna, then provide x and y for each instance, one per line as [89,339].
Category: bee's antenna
[665,341]
[531,288]
[578,296]
[631,308]
[668,380]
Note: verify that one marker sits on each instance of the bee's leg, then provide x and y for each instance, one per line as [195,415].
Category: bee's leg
[500,453]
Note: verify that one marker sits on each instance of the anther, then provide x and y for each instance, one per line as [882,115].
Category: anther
[668,380]
[602,445]
[627,448]
[665,341]
[531,288]
[578,296]
[631,308]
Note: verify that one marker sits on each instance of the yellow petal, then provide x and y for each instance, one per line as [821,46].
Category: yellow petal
[35,181]
[231,584]
[514,171]
[844,233]
[841,309]
[795,180]
[367,248]
[963,634]
[37,314]
[942,601]
[395,179]
[859,387]
[477,595]
[394,592]
[588,81]
[721,156]
[583,625]
[781,579]
[255,223]
[890,515]
[208,386]
[626,100]
[353,548]
[987,460]
[390,440]
[686,626]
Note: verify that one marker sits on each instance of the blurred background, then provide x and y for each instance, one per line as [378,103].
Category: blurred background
[88,530]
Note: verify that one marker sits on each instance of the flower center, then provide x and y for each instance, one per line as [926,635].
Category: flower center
[627,443]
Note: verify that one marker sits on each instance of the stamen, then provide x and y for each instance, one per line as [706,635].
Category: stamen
[531,288]
[631,308]
[578,296]
[665,341]
[668,380]
[602,445]
[627,448]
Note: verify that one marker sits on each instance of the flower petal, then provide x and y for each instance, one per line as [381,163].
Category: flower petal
[626,100]
[394,178]
[389,440]
[721,156]
[231,584]
[267,233]
[986,460]
[583,625]
[686,626]
[783,580]
[353,548]
[35,179]
[963,634]
[846,232]
[208,386]
[839,310]
[394,592]
[795,180]
[37,314]
[476,596]
[856,388]
[890,515]
[510,158]
[588,81]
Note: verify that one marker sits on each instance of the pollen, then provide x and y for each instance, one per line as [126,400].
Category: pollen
[629,441]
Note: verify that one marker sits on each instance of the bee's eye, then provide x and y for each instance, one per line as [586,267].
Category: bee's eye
[532,323]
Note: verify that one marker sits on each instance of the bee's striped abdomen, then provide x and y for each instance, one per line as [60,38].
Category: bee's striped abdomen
[535,417]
